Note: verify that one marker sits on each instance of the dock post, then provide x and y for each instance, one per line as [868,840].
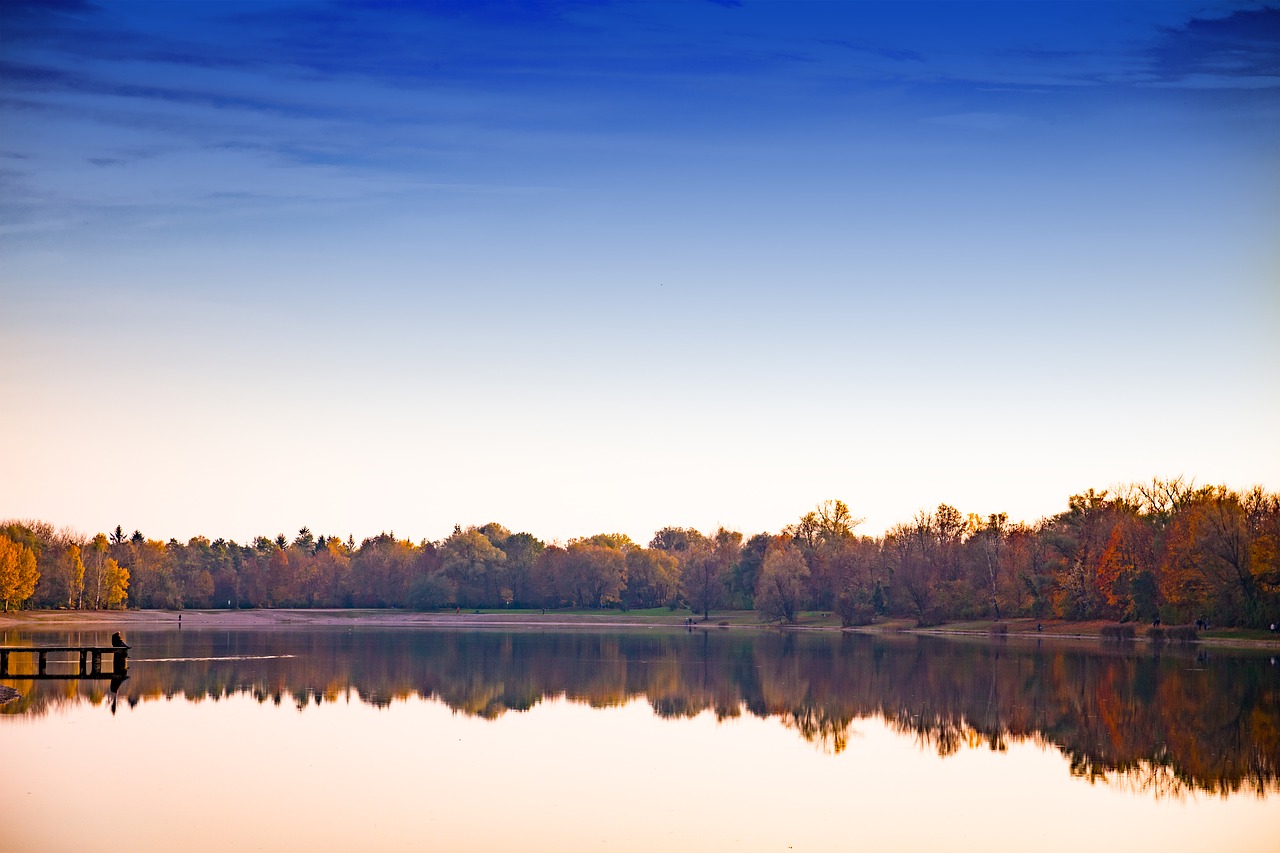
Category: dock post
[43,661]
[120,662]
[4,663]
[97,662]
[84,662]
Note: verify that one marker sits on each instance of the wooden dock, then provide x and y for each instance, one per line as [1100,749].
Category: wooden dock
[90,661]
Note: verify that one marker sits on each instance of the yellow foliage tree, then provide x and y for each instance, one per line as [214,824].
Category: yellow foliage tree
[74,576]
[115,584]
[18,572]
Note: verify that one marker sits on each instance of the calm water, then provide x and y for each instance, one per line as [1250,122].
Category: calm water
[339,739]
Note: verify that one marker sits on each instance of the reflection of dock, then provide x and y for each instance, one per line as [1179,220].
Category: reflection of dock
[90,661]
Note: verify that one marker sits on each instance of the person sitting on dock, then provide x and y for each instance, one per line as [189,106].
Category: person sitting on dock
[118,642]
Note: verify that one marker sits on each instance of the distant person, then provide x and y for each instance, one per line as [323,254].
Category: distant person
[118,642]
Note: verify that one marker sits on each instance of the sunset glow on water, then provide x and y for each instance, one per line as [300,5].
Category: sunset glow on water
[255,762]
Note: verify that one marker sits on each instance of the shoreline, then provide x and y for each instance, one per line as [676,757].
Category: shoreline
[737,620]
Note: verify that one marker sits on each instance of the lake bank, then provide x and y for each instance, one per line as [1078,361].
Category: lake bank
[815,621]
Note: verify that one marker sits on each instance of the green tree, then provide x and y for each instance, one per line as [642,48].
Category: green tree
[473,564]
[431,590]
[746,571]
[677,540]
[522,550]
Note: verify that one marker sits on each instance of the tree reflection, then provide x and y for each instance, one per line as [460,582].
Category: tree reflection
[1166,722]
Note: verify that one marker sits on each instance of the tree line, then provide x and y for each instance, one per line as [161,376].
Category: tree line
[1165,550]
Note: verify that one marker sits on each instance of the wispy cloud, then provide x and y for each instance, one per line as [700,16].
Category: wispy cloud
[1244,42]
[499,96]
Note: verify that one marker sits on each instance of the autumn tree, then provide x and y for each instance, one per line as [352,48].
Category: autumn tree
[852,565]
[151,571]
[780,588]
[332,573]
[988,543]
[18,573]
[913,566]
[115,588]
[1079,536]
[582,574]
[473,564]
[430,587]
[58,562]
[706,567]
[653,578]
[1222,556]
[382,569]
[1030,581]
[823,536]
[95,570]
[193,571]
[1126,575]
[958,594]
[73,579]
[595,574]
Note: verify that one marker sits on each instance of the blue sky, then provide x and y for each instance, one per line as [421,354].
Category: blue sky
[611,266]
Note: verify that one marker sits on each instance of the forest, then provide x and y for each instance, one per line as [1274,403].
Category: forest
[1165,550]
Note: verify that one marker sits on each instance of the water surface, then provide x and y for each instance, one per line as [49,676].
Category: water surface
[332,738]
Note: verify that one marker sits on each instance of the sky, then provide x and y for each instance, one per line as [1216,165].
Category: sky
[579,267]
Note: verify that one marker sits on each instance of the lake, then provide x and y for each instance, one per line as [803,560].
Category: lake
[343,738]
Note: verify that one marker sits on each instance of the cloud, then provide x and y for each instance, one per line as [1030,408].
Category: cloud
[40,12]
[1208,82]
[1240,50]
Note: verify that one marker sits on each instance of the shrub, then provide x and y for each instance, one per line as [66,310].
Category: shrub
[1117,633]
[1182,634]
[427,592]
[929,618]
